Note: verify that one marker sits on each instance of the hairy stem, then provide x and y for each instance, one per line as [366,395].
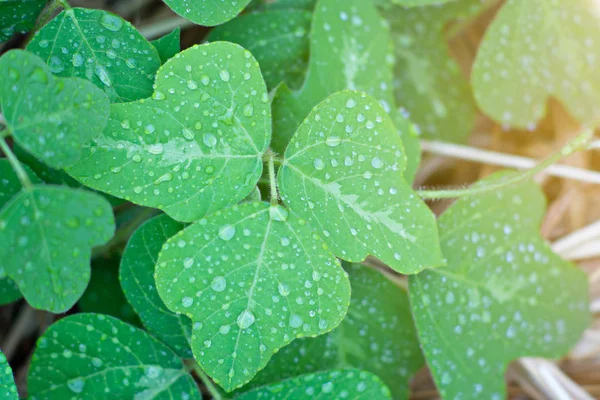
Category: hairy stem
[272,179]
[579,143]
[15,163]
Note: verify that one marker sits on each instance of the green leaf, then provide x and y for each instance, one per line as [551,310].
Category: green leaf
[533,51]
[18,16]
[429,84]
[351,48]
[377,335]
[9,291]
[247,304]
[10,187]
[207,12]
[196,146]
[168,45]
[137,280]
[54,176]
[104,295]
[503,295]
[92,356]
[100,47]
[334,385]
[47,121]
[47,233]
[342,172]
[278,40]
[8,389]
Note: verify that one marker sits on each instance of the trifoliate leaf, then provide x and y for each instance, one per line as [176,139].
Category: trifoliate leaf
[100,47]
[45,114]
[429,84]
[503,295]
[534,50]
[47,233]
[252,278]
[137,280]
[334,385]
[207,12]
[92,356]
[342,172]
[18,16]
[103,294]
[377,335]
[278,40]
[168,45]
[350,48]
[196,146]
[8,389]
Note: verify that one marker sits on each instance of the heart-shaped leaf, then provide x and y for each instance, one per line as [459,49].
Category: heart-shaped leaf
[207,12]
[18,16]
[100,47]
[342,172]
[137,280]
[92,356]
[503,295]
[278,40]
[334,385]
[103,294]
[168,45]
[533,51]
[377,335]
[252,278]
[10,186]
[429,84]
[350,48]
[47,233]
[196,146]
[44,113]
[8,389]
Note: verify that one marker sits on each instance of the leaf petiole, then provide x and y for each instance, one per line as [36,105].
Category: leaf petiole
[14,162]
[581,142]
[270,156]
[208,383]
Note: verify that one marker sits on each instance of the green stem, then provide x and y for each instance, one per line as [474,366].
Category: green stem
[15,163]
[65,4]
[124,232]
[272,179]
[577,144]
[210,386]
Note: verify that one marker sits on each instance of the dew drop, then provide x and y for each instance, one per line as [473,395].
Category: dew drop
[283,289]
[227,232]
[209,139]
[319,164]
[245,319]
[76,385]
[111,22]
[187,301]
[333,141]
[376,162]
[218,284]
[295,321]
[224,74]
[278,213]
[77,60]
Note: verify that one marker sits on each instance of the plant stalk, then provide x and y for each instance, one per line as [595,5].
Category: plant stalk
[579,143]
[15,163]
